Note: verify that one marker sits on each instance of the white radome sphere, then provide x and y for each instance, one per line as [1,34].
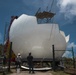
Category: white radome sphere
[29,36]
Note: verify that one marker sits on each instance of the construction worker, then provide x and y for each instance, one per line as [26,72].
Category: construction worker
[30,62]
[18,61]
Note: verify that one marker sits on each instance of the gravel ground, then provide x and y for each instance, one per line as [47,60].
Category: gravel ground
[27,73]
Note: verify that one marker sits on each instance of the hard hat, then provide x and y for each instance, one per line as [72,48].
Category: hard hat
[18,53]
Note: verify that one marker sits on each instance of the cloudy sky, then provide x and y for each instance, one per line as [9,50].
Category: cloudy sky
[65,14]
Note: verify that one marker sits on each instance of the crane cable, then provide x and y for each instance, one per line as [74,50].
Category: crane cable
[51,5]
[49,40]
[51,28]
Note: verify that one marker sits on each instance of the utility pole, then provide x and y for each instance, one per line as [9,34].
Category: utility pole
[53,58]
[5,29]
[9,59]
[73,58]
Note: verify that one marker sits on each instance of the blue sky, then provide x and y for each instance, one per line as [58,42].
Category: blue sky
[65,14]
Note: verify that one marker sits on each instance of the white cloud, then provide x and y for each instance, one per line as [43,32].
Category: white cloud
[67,54]
[68,7]
[70,45]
